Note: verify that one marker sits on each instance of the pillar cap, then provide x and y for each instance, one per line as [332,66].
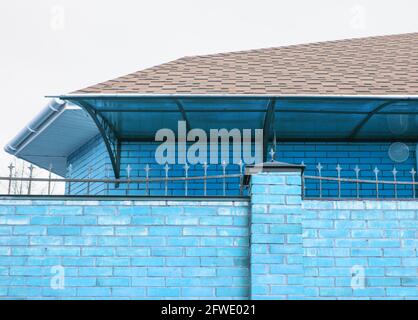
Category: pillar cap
[271,166]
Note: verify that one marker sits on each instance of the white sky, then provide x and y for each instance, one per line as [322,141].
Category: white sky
[57,46]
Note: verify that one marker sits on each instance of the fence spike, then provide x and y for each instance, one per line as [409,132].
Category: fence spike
[357,171]
[413,172]
[395,185]
[11,167]
[272,153]
[166,168]
[223,175]
[147,170]
[128,171]
[90,169]
[186,174]
[319,167]
[338,168]
[205,173]
[376,173]
[107,176]
[70,174]
[302,163]
[49,178]
[241,165]
[128,175]
[31,168]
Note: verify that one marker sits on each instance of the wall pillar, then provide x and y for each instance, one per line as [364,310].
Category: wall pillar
[276,255]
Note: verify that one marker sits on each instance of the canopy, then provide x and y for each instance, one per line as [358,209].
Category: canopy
[121,118]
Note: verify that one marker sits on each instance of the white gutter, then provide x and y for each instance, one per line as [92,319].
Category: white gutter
[52,109]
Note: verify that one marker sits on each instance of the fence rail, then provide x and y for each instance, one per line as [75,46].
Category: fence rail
[30,185]
[226,183]
[359,184]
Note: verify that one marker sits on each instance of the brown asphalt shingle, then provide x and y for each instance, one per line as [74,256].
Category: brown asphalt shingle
[381,65]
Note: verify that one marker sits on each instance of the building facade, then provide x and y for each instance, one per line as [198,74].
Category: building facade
[328,211]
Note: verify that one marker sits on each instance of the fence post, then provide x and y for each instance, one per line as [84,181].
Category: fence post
[376,174]
[413,172]
[11,166]
[395,186]
[166,168]
[205,173]
[319,167]
[70,173]
[276,230]
[147,169]
[357,171]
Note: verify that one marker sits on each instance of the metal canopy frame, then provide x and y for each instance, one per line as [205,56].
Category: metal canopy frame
[112,138]
[369,115]
[109,135]
[183,114]
[268,121]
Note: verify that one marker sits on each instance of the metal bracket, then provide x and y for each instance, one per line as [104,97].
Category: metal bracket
[366,119]
[108,133]
[268,120]
[183,113]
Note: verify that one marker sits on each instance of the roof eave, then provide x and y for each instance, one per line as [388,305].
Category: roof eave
[255,96]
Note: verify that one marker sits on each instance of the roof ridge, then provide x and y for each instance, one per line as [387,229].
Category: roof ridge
[299,45]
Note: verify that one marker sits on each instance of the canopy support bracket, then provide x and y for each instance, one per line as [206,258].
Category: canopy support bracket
[109,136]
[183,114]
[366,119]
[268,121]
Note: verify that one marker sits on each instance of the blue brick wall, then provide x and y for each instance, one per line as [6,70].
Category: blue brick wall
[124,249]
[360,249]
[348,155]
[275,246]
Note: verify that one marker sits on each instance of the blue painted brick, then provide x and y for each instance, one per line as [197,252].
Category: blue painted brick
[97,251]
[148,261]
[78,261]
[112,220]
[95,231]
[197,292]
[29,230]
[165,231]
[113,282]
[199,231]
[130,271]
[163,292]
[148,281]
[201,252]
[148,220]
[112,261]
[80,220]
[128,292]
[232,292]
[184,241]
[64,231]
[131,231]
[96,271]
[46,220]
[93,292]
[182,261]
[63,251]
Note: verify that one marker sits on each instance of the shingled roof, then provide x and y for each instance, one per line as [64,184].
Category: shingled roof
[381,65]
